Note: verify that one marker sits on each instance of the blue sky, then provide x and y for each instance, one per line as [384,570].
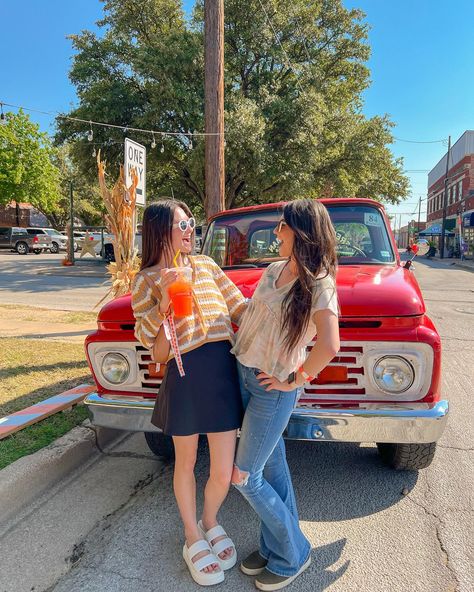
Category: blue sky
[422,68]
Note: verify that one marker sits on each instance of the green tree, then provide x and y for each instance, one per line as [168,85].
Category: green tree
[27,172]
[88,202]
[294,122]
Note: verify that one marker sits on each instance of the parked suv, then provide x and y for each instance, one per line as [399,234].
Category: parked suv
[383,386]
[19,240]
[58,241]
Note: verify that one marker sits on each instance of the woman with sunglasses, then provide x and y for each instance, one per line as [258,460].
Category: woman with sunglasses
[295,299]
[206,400]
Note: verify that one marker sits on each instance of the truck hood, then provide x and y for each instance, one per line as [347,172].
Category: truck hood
[363,291]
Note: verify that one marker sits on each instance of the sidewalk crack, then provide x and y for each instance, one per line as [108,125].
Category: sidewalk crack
[444,550]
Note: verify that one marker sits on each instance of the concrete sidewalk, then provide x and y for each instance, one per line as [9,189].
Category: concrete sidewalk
[467,264]
[88,267]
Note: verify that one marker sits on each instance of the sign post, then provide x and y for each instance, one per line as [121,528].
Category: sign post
[135,157]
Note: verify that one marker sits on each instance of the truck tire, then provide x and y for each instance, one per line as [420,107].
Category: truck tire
[54,248]
[407,457]
[22,248]
[109,254]
[161,445]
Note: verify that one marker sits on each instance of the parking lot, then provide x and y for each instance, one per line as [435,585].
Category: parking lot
[42,281]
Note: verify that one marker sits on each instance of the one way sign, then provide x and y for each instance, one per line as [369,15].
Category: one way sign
[135,156]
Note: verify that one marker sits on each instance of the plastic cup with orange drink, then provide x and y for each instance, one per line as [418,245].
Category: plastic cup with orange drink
[180,292]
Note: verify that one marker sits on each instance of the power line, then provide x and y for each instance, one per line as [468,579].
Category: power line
[288,64]
[442,141]
[110,125]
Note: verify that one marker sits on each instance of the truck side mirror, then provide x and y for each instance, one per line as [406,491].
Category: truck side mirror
[421,247]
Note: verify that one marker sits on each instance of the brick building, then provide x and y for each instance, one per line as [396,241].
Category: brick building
[21,214]
[460,183]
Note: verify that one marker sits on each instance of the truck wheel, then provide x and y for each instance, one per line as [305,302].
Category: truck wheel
[161,445]
[407,457]
[36,251]
[109,254]
[54,248]
[22,248]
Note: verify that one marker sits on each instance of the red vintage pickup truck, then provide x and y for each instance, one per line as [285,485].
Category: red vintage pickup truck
[382,387]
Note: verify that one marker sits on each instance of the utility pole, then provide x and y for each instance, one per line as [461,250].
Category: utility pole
[214,201]
[419,214]
[445,202]
[71,222]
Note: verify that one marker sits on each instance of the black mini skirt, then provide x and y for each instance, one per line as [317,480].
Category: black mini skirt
[207,399]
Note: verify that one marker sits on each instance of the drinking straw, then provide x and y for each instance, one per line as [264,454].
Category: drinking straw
[175,262]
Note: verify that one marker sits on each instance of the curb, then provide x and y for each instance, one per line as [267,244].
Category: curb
[72,272]
[30,476]
[451,263]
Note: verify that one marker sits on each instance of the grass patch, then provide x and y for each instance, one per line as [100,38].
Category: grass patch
[46,315]
[32,370]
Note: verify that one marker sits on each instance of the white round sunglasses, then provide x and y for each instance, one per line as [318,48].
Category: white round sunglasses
[183,225]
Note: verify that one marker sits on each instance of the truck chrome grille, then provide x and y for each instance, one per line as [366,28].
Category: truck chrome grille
[354,386]
[347,377]
[348,356]
[150,383]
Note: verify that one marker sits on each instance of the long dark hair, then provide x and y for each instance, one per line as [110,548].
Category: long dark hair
[314,252]
[157,228]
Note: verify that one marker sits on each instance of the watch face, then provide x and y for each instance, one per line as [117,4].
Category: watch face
[291,378]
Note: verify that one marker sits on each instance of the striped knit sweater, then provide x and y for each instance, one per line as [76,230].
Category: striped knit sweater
[220,304]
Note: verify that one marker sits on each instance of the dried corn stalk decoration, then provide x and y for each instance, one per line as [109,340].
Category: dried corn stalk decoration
[120,205]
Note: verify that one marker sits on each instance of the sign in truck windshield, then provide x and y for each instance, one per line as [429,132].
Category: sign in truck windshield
[248,240]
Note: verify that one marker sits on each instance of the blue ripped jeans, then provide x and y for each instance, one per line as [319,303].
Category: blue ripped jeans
[262,475]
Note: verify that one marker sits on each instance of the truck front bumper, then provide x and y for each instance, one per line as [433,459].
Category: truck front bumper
[403,423]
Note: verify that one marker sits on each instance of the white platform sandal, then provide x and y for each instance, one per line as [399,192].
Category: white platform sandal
[201,577]
[221,545]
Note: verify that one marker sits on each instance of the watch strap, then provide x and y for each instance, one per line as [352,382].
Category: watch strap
[305,375]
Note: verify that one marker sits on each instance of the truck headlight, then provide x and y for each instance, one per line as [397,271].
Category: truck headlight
[115,368]
[393,374]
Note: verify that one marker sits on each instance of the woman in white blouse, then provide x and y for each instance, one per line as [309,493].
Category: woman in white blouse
[295,299]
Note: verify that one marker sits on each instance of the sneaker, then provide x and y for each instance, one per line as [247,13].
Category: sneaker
[270,581]
[254,564]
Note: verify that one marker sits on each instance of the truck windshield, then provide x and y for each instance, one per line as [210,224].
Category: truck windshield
[248,240]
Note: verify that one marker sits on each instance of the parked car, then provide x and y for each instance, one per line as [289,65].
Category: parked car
[59,241]
[78,238]
[384,385]
[19,240]
[106,250]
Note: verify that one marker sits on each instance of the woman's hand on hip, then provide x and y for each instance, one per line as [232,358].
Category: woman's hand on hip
[271,383]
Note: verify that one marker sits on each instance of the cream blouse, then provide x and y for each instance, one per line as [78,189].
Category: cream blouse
[259,341]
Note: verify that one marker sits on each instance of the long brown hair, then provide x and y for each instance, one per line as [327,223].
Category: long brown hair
[314,252]
[157,230]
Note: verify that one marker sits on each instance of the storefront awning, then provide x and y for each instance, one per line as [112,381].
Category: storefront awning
[435,230]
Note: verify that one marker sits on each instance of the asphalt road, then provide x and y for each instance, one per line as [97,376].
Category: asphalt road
[114,525]
[23,281]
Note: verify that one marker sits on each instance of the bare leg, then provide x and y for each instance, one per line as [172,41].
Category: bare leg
[222,451]
[184,484]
